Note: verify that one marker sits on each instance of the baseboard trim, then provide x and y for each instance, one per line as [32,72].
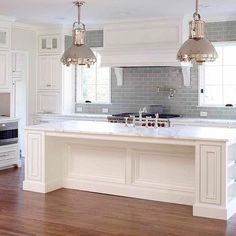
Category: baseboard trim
[210,211]
[38,187]
[170,196]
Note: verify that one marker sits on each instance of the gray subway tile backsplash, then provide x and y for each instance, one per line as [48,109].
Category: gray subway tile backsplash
[140,83]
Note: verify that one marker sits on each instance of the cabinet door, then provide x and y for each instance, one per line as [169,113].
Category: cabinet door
[50,75]
[17,65]
[49,44]
[44,74]
[49,102]
[4,38]
[34,156]
[4,71]
[56,72]
[210,174]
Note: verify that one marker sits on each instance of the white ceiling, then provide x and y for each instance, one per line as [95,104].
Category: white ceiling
[98,11]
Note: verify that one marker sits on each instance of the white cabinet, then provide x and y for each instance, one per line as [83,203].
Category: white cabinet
[4,38]
[210,174]
[49,44]
[34,145]
[49,102]
[4,71]
[50,72]
[9,155]
[17,64]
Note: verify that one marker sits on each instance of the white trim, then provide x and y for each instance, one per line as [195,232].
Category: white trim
[18,25]
[164,195]
[35,186]
[6,18]
[127,20]
[209,211]
[219,19]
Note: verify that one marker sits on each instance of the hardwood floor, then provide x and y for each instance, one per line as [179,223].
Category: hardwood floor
[69,212]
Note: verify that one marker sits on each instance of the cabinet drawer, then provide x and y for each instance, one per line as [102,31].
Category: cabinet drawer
[9,158]
[48,102]
[8,155]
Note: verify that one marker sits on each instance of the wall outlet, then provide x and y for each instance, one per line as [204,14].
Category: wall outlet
[105,110]
[203,114]
[79,109]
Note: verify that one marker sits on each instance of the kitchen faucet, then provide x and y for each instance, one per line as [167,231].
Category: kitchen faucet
[141,111]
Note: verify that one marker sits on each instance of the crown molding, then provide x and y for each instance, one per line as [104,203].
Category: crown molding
[6,18]
[142,19]
[219,19]
[23,26]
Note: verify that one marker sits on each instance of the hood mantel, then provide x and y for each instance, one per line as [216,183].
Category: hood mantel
[146,42]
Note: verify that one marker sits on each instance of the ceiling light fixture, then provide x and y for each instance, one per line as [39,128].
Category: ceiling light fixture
[78,53]
[197,49]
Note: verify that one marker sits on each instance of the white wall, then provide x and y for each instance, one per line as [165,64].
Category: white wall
[26,40]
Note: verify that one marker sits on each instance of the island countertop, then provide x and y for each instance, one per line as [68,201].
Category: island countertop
[105,128]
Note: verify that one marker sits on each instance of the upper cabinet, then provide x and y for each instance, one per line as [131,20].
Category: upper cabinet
[49,44]
[4,71]
[50,72]
[5,62]
[4,38]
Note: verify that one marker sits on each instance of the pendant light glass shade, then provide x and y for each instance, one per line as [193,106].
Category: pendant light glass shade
[197,49]
[78,53]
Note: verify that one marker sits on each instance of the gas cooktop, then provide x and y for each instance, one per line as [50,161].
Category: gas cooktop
[162,116]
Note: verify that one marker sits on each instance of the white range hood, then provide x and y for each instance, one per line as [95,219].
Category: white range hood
[146,42]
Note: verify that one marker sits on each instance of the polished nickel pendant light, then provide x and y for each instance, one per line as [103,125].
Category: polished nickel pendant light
[78,53]
[197,49]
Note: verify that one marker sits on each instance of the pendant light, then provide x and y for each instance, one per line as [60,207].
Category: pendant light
[78,53]
[197,49]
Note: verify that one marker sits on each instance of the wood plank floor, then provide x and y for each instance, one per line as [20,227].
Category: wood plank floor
[69,212]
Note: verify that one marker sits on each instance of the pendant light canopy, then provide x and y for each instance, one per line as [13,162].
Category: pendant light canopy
[78,53]
[197,49]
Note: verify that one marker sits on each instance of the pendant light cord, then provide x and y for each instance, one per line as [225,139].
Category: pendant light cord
[79,4]
[196,15]
[197,6]
[79,12]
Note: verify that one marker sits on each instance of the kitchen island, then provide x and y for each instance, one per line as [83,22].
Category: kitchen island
[185,165]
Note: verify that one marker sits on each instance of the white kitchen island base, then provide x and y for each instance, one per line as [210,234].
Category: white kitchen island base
[135,162]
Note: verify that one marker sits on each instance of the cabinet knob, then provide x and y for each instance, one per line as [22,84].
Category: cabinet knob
[48,85]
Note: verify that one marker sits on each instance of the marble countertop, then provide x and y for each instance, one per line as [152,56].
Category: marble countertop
[72,115]
[203,120]
[4,119]
[105,128]
[104,116]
